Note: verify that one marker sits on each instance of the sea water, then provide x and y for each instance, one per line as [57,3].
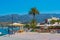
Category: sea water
[4,30]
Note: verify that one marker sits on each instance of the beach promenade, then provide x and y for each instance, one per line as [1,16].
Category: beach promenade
[31,36]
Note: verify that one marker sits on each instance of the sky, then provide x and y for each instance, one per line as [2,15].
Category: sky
[23,6]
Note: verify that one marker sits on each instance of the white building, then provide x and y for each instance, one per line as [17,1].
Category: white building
[53,18]
[49,20]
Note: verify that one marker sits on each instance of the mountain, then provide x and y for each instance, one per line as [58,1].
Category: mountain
[26,18]
[15,18]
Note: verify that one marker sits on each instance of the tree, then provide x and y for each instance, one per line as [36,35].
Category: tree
[51,27]
[27,26]
[57,27]
[58,21]
[33,12]
[33,24]
[53,21]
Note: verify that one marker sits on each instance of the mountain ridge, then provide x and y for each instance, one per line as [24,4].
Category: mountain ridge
[26,18]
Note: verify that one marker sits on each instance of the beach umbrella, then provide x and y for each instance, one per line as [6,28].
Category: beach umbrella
[16,24]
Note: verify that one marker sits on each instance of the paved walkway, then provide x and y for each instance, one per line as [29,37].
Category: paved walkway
[31,36]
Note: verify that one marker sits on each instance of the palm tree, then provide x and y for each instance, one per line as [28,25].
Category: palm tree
[33,12]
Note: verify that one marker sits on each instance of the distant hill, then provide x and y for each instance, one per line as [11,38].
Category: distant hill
[26,18]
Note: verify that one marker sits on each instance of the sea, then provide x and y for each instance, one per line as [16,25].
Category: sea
[5,30]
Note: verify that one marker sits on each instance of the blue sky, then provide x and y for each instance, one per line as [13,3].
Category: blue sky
[23,6]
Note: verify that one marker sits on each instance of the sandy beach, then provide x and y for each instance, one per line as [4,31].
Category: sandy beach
[31,36]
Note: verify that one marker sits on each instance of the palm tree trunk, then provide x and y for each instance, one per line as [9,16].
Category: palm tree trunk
[34,21]
[33,17]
